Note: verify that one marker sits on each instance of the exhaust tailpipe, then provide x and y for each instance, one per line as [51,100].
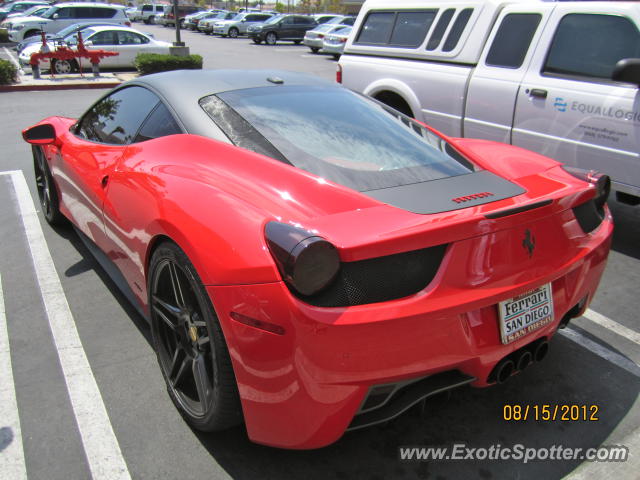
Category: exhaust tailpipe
[504,369]
[524,360]
[541,351]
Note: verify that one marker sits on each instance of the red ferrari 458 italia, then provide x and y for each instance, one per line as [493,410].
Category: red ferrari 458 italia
[311,261]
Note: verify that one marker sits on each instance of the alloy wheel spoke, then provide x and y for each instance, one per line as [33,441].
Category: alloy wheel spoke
[203,384]
[179,366]
[168,308]
[175,284]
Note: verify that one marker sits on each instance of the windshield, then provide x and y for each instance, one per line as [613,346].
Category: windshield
[31,10]
[343,31]
[49,13]
[239,17]
[338,135]
[72,38]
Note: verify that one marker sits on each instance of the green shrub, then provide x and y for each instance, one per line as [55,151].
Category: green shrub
[4,35]
[8,73]
[147,63]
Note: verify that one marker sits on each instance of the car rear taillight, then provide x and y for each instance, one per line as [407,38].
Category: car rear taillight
[307,262]
[601,181]
[343,40]
[128,24]
[590,214]
[320,35]
[339,73]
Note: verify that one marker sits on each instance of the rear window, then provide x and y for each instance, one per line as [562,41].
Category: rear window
[512,40]
[456,30]
[335,134]
[396,29]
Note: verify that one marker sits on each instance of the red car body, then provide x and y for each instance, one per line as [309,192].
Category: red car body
[303,383]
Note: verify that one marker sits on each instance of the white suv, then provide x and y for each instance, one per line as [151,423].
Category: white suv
[62,15]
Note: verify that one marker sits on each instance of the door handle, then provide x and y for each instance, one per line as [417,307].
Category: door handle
[538,93]
[104,181]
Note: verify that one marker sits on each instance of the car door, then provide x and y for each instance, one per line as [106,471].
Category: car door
[95,145]
[129,201]
[301,25]
[569,108]
[130,44]
[495,82]
[63,17]
[251,20]
[107,40]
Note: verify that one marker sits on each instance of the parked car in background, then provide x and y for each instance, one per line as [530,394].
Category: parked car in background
[281,27]
[19,7]
[334,42]
[191,21]
[62,15]
[57,38]
[314,38]
[128,42]
[36,10]
[183,11]
[147,13]
[206,25]
[239,24]
[321,18]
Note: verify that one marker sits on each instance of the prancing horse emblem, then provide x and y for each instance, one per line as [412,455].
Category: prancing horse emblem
[529,242]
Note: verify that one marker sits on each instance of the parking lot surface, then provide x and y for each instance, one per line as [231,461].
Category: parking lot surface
[51,287]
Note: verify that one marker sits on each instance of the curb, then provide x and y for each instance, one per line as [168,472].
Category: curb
[69,86]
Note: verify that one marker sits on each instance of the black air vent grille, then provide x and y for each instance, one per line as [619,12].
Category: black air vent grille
[381,279]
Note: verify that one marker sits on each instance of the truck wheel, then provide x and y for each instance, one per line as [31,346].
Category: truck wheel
[395,101]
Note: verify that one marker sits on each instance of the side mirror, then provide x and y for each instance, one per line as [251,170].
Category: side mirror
[88,43]
[243,20]
[627,70]
[42,134]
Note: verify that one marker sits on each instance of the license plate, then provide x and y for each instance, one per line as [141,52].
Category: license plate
[525,313]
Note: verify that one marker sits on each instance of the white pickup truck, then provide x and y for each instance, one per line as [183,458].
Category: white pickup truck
[559,78]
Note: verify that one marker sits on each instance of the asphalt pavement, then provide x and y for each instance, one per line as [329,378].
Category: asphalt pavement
[49,274]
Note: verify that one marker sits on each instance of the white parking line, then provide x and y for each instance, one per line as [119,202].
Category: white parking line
[615,327]
[12,463]
[100,443]
[601,351]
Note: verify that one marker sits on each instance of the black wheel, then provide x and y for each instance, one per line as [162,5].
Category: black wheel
[297,42]
[47,193]
[314,49]
[189,343]
[271,38]
[234,32]
[257,40]
[336,56]
[61,67]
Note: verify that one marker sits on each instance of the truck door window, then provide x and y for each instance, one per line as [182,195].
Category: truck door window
[512,40]
[590,45]
[456,30]
[441,27]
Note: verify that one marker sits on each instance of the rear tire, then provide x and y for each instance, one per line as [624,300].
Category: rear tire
[314,49]
[297,42]
[62,67]
[189,343]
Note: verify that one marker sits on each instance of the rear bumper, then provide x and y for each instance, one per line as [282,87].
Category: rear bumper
[330,48]
[303,389]
[312,42]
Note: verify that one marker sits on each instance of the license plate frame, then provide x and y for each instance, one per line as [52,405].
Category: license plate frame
[525,313]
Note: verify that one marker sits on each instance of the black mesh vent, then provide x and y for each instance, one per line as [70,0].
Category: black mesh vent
[589,216]
[380,279]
